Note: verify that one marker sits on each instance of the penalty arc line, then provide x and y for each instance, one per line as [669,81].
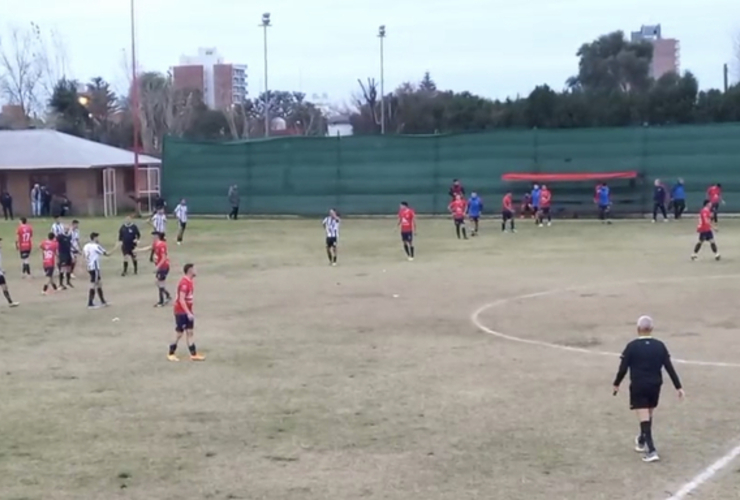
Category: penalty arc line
[706,474]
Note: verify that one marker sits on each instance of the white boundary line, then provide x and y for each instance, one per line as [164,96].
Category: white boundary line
[705,475]
[475,317]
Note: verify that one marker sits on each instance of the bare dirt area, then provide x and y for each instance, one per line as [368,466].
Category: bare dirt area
[369,380]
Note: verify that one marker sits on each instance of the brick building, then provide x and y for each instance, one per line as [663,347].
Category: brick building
[96,178]
[221,84]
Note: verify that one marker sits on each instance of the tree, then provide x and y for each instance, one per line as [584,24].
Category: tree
[102,105]
[71,115]
[611,63]
[30,67]
[301,116]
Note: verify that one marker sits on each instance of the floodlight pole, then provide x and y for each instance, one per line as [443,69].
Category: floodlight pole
[266,24]
[135,112]
[381,35]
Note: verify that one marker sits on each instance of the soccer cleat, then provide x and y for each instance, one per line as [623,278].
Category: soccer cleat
[694,256]
[717,257]
[197,357]
[640,447]
[172,357]
[549,224]
[651,457]
[411,259]
[73,276]
[93,306]
[159,304]
[14,304]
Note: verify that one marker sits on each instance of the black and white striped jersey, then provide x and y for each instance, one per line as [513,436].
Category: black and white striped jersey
[159,221]
[181,212]
[331,225]
[92,252]
[57,228]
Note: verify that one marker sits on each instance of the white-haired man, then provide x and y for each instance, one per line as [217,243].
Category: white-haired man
[645,357]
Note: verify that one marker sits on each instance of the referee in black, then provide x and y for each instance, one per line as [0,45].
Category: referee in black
[128,237]
[645,358]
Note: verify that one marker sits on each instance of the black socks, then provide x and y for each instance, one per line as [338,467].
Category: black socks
[646,433]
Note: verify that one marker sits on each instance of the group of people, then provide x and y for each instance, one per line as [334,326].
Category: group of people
[675,199]
[61,250]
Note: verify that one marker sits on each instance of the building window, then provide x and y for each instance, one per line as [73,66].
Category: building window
[55,181]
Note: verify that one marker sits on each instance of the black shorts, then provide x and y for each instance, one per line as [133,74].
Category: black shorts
[407,236]
[65,260]
[182,323]
[604,208]
[507,215]
[128,250]
[459,221]
[706,236]
[2,279]
[715,207]
[25,254]
[545,210]
[183,225]
[48,271]
[331,241]
[644,396]
[474,218]
[94,276]
[161,274]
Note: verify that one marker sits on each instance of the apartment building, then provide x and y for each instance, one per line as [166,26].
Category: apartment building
[666,51]
[222,84]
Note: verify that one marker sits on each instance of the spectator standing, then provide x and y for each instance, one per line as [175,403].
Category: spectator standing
[456,189]
[234,201]
[659,198]
[36,200]
[7,202]
[678,198]
[45,201]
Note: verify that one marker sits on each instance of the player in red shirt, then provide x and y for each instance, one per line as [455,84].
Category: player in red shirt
[705,230]
[458,208]
[24,244]
[407,223]
[714,195]
[161,266]
[184,318]
[507,212]
[49,249]
[545,203]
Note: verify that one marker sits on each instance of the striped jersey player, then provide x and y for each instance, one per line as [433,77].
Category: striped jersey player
[331,225]
[181,212]
[159,223]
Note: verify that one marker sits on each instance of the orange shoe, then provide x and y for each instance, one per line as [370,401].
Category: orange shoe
[197,357]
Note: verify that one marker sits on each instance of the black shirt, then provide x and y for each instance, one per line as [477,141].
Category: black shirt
[659,194]
[65,244]
[645,358]
[128,234]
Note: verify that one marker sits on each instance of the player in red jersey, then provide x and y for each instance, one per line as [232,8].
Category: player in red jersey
[545,203]
[24,244]
[49,249]
[714,195]
[161,266]
[407,223]
[458,207]
[184,318]
[507,212]
[706,231]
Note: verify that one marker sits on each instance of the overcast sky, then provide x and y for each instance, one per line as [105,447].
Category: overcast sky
[496,48]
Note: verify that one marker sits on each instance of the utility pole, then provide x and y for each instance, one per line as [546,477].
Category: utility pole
[266,24]
[381,35]
[135,112]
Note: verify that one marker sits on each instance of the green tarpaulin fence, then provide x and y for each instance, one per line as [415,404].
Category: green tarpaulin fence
[372,174]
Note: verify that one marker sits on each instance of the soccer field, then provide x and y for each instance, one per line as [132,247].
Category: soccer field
[482,370]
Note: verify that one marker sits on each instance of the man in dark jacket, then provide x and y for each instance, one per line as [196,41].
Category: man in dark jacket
[456,189]
[7,202]
[659,199]
[678,199]
[234,202]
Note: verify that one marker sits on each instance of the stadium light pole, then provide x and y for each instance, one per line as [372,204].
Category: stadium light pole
[266,24]
[381,35]
[135,106]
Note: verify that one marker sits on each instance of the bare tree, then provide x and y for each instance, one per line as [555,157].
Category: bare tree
[30,67]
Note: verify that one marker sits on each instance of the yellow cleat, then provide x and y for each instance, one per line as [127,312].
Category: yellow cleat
[197,357]
[172,357]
